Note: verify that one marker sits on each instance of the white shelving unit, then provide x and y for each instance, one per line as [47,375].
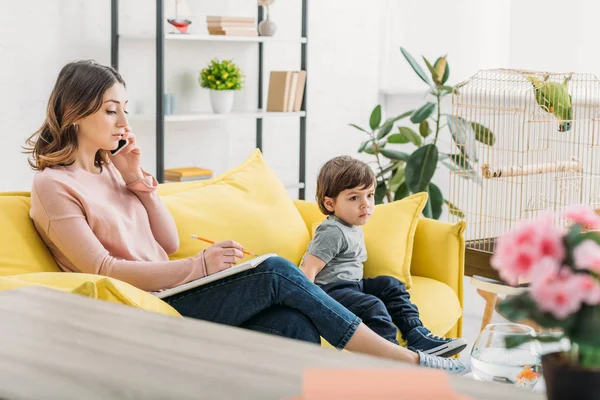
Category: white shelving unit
[161,39]
[209,116]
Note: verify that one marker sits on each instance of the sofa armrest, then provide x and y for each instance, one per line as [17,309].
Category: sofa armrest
[439,253]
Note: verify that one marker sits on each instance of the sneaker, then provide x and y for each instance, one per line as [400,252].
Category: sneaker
[420,338]
[452,365]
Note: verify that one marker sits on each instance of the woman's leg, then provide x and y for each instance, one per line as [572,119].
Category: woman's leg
[286,322]
[237,298]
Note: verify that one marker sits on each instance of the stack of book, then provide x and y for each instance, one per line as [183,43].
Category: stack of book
[187,174]
[286,90]
[231,26]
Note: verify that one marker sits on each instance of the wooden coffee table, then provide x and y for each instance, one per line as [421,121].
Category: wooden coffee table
[64,346]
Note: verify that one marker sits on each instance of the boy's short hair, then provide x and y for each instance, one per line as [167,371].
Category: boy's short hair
[341,173]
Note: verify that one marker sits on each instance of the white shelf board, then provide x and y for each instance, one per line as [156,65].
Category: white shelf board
[216,38]
[294,185]
[209,116]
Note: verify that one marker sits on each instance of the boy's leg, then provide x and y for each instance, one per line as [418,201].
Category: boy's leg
[405,315]
[369,308]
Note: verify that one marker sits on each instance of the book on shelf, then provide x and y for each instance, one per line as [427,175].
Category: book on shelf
[231,26]
[187,174]
[286,91]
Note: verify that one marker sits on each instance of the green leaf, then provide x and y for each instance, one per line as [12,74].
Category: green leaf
[434,75]
[520,307]
[392,121]
[369,150]
[422,113]
[587,326]
[375,119]
[359,128]
[517,340]
[410,135]
[364,145]
[397,138]
[415,66]
[463,136]
[394,155]
[420,167]
[424,129]
[402,192]
[447,90]
[427,212]
[483,134]
[452,209]
[380,192]
[461,161]
[472,175]
[398,177]
[435,200]
[384,130]
[446,70]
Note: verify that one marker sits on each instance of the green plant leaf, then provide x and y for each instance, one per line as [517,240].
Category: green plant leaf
[397,138]
[394,154]
[380,191]
[369,150]
[461,162]
[452,209]
[447,89]
[427,212]
[424,129]
[415,66]
[420,167]
[436,200]
[434,75]
[469,174]
[384,130]
[587,326]
[446,69]
[398,177]
[392,121]
[483,134]
[517,340]
[410,135]
[422,113]
[375,119]
[364,145]
[359,128]
[401,192]
[520,307]
[463,136]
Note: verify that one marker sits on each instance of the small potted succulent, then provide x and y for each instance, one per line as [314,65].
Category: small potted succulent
[222,78]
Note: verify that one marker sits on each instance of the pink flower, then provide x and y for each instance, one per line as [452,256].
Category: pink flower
[587,256]
[520,249]
[583,215]
[556,294]
[587,286]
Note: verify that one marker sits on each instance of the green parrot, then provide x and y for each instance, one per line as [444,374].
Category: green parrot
[554,98]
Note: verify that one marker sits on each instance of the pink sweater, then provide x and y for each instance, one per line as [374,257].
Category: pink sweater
[97,224]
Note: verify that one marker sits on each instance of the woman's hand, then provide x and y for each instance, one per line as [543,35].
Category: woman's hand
[222,255]
[128,160]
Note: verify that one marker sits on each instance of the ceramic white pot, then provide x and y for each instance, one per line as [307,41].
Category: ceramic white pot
[221,101]
[267,27]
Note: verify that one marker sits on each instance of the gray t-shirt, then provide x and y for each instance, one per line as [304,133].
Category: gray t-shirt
[342,247]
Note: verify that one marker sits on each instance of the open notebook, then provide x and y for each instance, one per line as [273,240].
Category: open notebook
[255,262]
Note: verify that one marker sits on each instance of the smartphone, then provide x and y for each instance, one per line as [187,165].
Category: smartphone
[122,144]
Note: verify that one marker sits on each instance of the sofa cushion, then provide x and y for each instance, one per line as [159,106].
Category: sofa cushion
[248,204]
[21,248]
[389,235]
[89,285]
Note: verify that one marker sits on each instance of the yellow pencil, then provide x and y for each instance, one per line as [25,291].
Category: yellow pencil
[212,242]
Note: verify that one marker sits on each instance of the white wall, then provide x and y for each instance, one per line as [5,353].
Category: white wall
[343,83]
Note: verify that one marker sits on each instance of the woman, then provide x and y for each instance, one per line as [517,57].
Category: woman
[101,214]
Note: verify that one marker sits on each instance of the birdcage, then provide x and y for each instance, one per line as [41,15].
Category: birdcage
[526,142]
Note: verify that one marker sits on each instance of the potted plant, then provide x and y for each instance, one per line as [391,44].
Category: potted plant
[400,174]
[223,78]
[563,268]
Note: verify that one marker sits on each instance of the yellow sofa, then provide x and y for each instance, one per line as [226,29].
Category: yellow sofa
[249,204]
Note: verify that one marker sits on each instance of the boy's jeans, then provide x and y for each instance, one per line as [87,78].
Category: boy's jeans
[383,303]
[275,297]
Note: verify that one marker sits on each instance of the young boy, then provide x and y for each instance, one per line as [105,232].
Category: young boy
[335,256]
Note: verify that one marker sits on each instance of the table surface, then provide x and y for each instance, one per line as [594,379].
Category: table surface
[56,345]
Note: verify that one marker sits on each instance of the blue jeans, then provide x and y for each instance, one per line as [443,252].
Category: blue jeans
[383,303]
[275,297]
